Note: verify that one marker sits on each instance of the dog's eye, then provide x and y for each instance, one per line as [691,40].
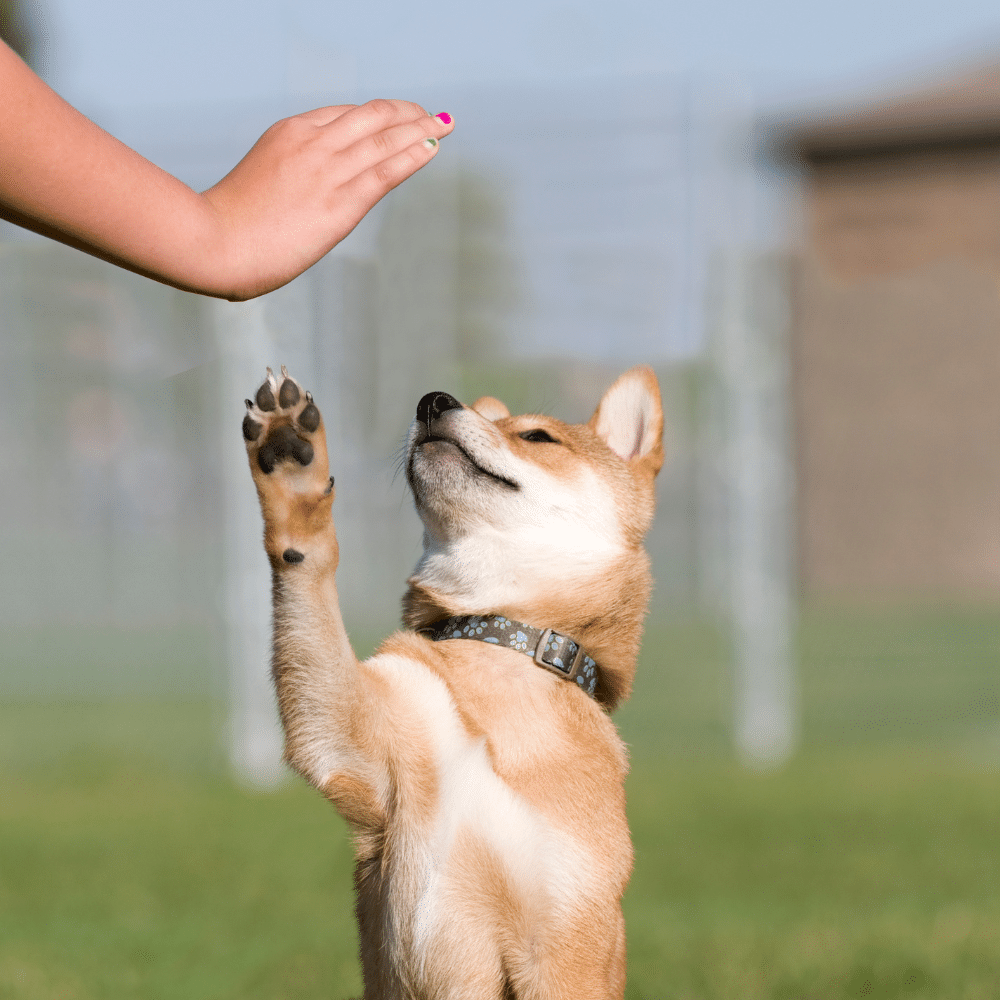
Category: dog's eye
[538,435]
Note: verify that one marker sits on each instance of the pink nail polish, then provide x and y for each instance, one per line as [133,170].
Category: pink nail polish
[444,117]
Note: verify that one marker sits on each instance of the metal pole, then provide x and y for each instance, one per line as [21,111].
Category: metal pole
[760,597]
[245,347]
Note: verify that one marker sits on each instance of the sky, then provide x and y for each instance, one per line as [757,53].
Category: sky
[134,53]
[599,226]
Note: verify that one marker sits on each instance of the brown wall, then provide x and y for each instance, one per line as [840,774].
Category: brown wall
[896,362]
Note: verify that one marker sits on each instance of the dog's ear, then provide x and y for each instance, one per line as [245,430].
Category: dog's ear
[629,419]
[492,409]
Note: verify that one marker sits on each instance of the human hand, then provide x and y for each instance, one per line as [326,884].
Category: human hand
[303,187]
[307,182]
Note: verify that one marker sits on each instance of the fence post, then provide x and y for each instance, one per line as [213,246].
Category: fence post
[752,369]
[245,348]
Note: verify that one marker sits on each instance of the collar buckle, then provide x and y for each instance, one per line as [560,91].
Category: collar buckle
[558,653]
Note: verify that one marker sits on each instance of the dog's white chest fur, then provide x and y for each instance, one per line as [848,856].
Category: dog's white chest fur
[546,868]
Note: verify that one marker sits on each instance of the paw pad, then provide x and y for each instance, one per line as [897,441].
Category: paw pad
[283,442]
[309,418]
[288,395]
[271,415]
[251,429]
[265,398]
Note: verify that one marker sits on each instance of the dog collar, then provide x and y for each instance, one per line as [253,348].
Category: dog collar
[548,648]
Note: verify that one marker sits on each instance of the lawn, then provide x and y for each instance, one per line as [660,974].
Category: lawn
[130,867]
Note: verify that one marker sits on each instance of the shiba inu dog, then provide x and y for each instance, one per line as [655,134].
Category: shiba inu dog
[474,754]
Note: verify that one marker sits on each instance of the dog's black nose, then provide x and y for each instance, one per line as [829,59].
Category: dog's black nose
[434,404]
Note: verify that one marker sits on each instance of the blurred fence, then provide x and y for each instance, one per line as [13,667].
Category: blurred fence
[534,269]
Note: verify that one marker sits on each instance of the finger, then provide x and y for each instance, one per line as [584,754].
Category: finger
[373,149]
[363,191]
[375,116]
[323,116]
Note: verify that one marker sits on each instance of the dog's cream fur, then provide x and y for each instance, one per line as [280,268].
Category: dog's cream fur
[487,794]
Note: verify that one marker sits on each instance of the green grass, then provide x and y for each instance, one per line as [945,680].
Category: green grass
[130,867]
[159,886]
[881,868]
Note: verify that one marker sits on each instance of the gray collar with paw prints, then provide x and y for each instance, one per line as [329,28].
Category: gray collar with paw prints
[548,648]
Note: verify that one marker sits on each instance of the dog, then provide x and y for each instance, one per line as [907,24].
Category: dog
[474,754]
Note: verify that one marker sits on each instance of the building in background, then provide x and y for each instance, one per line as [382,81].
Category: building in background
[896,345]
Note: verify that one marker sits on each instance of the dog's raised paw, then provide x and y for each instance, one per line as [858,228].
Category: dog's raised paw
[279,423]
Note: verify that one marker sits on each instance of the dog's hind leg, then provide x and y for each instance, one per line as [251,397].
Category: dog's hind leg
[315,670]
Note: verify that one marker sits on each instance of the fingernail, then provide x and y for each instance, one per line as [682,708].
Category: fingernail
[444,117]
[430,143]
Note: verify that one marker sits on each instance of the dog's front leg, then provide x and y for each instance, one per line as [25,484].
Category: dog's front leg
[317,676]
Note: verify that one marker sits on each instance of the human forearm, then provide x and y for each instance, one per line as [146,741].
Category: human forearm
[66,178]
